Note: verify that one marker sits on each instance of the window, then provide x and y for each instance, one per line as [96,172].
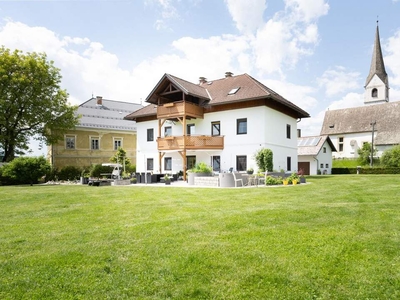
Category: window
[94,143]
[216,163]
[70,142]
[321,166]
[190,162]
[150,134]
[168,163]
[341,144]
[233,91]
[289,163]
[288,131]
[190,129]
[326,165]
[374,93]
[150,164]
[167,131]
[241,126]
[215,128]
[241,163]
[117,143]
[324,149]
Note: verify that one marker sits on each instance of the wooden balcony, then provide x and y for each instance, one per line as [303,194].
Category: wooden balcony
[179,109]
[192,142]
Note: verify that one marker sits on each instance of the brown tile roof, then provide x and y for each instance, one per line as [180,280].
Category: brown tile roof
[358,120]
[217,93]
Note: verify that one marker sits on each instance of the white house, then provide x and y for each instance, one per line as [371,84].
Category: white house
[315,154]
[375,122]
[221,122]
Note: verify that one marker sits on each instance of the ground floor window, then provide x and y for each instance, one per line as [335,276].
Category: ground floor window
[289,163]
[150,164]
[94,143]
[70,142]
[241,163]
[216,163]
[190,162]
[168,163]
[117,143]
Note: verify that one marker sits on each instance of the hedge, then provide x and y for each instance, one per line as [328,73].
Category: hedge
[366,170]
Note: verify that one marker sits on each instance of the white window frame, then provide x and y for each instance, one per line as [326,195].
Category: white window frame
[120,140]
[91,140]
[70,136]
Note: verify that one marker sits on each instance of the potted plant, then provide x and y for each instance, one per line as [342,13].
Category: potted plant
[250,171]
[200,169]
[133,180]
[167,179]
[302,178]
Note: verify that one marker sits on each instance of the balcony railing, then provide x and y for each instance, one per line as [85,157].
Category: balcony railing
[179,109]
[196,142]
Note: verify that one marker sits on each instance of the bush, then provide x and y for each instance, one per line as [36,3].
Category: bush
[69,173]
[201,168]
[367,170]
[25,170]
[97,170]
[273,181]
[391,157]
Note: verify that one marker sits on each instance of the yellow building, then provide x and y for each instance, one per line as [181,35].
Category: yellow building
[101,131]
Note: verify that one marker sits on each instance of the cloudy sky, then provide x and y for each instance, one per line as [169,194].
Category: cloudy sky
[316,53]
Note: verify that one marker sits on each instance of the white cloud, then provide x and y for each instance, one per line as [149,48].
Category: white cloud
[349,100]
[307,10]
[248,15]
[339,80]
[392,60]
[168,12]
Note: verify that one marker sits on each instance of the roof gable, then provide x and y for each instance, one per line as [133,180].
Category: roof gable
[312,145]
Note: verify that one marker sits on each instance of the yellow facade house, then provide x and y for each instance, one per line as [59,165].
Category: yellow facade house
[101,131]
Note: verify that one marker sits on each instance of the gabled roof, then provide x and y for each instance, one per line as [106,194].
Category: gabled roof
[231,89]
[377,63]
[312,145]
[109,115]
[359,119]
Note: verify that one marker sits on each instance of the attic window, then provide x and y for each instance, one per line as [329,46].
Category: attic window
[331,126]
[233,91]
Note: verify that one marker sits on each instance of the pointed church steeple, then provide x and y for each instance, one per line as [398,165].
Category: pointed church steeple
[377,83]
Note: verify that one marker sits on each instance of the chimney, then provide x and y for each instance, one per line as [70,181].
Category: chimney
[299,133]
[99,100]
[202,80]
[228,74]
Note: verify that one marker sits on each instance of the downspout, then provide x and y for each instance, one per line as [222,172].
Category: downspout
[317,163]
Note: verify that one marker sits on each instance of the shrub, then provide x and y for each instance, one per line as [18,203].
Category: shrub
[98,169]
[273,181]
[201,168]
[391,157]
[69,173]
[25,170]
[293,176]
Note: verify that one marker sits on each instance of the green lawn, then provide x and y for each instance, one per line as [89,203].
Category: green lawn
[335,238]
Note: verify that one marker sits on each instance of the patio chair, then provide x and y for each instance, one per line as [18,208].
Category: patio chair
[263,180]
[237,179]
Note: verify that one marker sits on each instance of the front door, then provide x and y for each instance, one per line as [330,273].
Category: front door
[305,166]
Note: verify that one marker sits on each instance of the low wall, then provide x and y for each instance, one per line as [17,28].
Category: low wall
[206,181]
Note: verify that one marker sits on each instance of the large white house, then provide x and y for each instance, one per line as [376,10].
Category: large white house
[221,122]
[375,122]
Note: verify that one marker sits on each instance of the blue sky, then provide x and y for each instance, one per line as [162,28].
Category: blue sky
[316,53]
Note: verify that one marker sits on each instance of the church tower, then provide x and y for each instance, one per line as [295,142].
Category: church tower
[377,84]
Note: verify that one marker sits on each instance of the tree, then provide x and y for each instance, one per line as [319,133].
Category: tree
[391,157]
[32,104]
[264,159]
[120,157]
[364,154]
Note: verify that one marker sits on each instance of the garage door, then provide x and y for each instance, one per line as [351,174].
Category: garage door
[305,166]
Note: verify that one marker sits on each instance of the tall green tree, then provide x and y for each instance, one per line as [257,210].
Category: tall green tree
[120,157]
[364,154]
[264,159]
[32,103]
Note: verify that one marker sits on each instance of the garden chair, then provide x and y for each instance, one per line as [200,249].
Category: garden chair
[263,180]
[237,179]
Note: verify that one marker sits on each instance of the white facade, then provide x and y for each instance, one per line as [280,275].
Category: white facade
[266,128]
[347,145]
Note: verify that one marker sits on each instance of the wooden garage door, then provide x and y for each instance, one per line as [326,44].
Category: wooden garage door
[305,166]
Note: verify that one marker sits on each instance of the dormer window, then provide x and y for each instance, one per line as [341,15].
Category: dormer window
[374,93]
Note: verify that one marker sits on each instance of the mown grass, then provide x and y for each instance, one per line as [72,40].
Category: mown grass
[336,238]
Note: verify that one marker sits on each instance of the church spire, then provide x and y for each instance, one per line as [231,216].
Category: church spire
[378,89]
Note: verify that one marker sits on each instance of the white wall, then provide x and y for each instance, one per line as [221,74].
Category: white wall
[377,83]
[266,128]
[351,143]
